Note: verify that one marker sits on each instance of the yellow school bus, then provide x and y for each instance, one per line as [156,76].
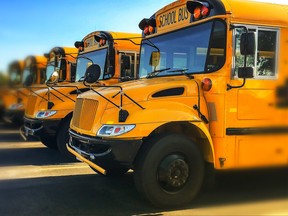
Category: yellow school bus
[32,76]
[15,72]
[212,93]
[62,61]
[49,119]
[61,70]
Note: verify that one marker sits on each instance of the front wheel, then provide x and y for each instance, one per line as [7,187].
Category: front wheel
[169,171]
[49,142]
[63,139]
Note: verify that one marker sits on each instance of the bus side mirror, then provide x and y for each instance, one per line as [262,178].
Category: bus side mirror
[28,81]
[126,63]
[154,59]
[247,43]
[53,78]
[92,73]
[245,72]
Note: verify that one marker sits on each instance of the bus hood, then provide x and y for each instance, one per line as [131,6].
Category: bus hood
[146,89]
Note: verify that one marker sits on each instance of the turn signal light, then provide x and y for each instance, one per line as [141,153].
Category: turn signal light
[204,11]
[148,26]
[151,29]
[102,42]
[201,12]
[206,84]
[148,30]
[197,13]
[199,9]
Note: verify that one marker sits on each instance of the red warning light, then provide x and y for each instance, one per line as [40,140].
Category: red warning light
[206,84]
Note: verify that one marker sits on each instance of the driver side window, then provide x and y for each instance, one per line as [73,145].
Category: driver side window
[264,61]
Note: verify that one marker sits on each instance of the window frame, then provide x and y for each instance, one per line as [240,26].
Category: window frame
[277,48]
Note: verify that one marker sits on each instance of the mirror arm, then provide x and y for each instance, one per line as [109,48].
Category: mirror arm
[129,39]
[229,87]
[60,93]
[30,89]
[91,88]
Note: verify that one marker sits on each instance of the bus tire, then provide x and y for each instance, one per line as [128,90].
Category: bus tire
[49,142]
[63,139]
[169,171]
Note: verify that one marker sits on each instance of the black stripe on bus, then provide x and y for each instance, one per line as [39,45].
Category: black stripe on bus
[257,131]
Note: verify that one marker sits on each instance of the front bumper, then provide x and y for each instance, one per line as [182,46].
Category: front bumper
[1,112]
[39,128]
[13,116]
[103,153]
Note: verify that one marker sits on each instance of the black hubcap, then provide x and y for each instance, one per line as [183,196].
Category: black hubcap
[173,172]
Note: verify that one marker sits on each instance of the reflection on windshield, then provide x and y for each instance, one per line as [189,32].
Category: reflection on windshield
[85,60]
[29,71]
[184,50]
[49,70]
[26,73]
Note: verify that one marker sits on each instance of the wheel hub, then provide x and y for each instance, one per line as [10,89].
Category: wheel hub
[173,173]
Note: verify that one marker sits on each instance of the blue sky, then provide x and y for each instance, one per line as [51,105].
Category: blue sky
[32,27]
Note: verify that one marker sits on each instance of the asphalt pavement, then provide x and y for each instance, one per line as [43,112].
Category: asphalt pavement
[36,180]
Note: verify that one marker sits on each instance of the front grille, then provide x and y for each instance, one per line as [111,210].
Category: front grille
[31,105]
[84,113]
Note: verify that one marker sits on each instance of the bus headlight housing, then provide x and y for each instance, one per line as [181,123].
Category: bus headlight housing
[114,130]
[16,106]
[45,114]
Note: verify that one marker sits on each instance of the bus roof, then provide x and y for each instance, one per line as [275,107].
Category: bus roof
[40,61]
[63,51]
[17,64]
[240,11]
[264,13]
[114,35]
[109,35]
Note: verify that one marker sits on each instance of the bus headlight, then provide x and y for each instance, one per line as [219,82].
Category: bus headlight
[45,114]
[114,130]
[16,106]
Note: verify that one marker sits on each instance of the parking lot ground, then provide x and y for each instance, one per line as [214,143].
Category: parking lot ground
[35,180]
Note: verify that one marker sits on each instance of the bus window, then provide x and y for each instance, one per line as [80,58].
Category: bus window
[42,75]
[62,69]
[264,61]
[180,60]
[238,58]
[267,40]
[197,49]
[216,54]
[129,70]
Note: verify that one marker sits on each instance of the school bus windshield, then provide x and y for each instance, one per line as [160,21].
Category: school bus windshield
[87,59]
[51,67]
[192,50]
[29,72]
[14,77]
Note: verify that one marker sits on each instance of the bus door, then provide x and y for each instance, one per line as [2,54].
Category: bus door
[252,122]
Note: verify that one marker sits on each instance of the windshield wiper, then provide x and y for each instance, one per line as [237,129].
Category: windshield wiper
[183,71]
[156,72]
[81,79]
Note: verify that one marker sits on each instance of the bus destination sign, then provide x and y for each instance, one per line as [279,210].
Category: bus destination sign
[170,19]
